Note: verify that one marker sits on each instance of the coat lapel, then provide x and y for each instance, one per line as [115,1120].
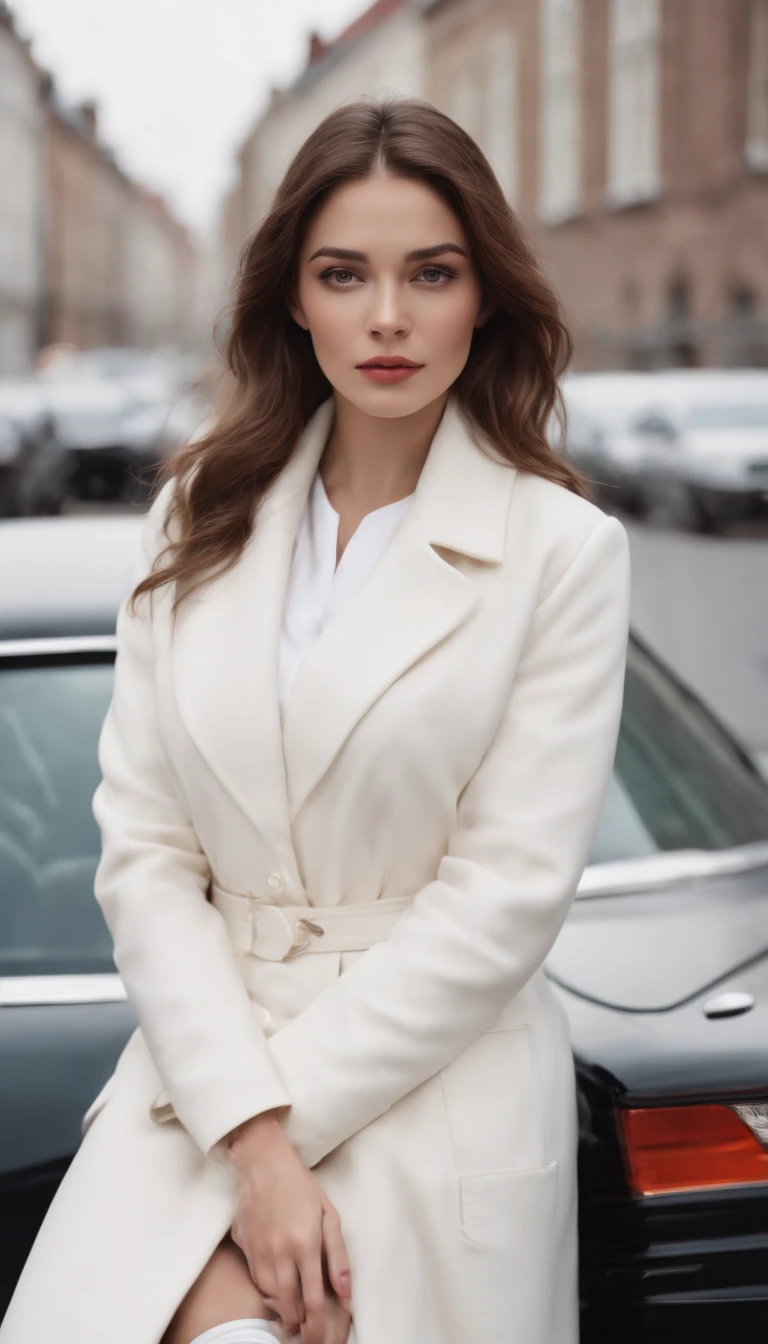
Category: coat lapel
[225,648]
[226,638]
[412,600]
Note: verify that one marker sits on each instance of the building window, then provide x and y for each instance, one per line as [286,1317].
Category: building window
[631,299]
[560,142]
[756,147]
[681,350]
[742,300]
[679,298]
[633,125]
[501,139]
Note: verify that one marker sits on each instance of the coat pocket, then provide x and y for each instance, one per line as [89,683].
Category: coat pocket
[509,1208]
[493,1104]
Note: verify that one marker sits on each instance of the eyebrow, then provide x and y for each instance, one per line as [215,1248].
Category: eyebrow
[421,253]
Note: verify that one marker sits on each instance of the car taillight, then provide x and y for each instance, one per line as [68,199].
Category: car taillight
[670,1148]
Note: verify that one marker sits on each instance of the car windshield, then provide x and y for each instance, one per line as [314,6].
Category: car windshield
[679,783]
[731,415]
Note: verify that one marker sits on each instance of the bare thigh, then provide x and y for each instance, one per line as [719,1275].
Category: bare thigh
[224,1291]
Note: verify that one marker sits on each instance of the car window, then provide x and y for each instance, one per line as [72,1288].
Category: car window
[50,718]
[654,425]
[736,415]
[679,781]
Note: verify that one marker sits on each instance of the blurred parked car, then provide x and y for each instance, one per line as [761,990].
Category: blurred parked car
[112,436]
[89,417]
[702,447]
[142,372]
[34,467]
[155,431]
[118,411]
[662,965]
[600,410]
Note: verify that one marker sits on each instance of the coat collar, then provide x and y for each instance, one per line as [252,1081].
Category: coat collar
[458,494]
[226,637]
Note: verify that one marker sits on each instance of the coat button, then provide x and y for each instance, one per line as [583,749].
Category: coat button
[276,881]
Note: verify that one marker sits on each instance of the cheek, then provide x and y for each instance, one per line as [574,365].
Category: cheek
[450,325]
[329,323]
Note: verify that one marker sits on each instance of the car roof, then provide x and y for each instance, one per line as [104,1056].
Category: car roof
[619,396]
[713,392]
[588,390]
[65,576]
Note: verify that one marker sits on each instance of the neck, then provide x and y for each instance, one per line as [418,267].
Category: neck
[374,460]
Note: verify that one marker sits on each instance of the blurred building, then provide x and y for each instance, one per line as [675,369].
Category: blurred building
[632,138]
[381,52]
[21,199]
[84,227]
[87,255]
[121,269]
[160,273]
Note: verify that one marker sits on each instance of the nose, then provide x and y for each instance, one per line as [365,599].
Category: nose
[388,315]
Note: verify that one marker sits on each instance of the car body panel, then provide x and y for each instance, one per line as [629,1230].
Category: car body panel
[50,1054]
[651,951]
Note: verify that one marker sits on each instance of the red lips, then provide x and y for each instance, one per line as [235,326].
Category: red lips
[390,362]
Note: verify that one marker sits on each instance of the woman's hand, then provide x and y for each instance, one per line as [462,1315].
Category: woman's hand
[290,1234]
[338,1325]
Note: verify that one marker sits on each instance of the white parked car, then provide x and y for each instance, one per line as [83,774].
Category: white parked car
[701,446]
[601,409]
[119,411]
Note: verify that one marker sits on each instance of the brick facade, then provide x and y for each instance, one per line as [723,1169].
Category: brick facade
[682,275]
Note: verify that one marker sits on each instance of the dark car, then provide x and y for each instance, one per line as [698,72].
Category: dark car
[34,466]
[662,964]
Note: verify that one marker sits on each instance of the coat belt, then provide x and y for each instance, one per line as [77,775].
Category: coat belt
[257,925]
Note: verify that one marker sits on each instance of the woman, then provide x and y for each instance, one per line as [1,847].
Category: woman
[365,710]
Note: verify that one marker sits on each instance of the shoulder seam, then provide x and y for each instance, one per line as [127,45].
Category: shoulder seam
[607,521]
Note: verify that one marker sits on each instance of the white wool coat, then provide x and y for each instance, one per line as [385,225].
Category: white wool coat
[433,796]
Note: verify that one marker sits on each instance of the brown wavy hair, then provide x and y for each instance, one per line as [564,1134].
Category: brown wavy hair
[508,389]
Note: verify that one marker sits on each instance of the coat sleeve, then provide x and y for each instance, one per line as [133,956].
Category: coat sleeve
[523,832]
[171,946]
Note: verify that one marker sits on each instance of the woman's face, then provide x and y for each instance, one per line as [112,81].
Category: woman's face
[385,270]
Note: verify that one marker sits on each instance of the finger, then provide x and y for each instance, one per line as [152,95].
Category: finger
[283,1332]
[287,1292]
[273,1316]
[313,1295]
[336,1257]
[287,1331]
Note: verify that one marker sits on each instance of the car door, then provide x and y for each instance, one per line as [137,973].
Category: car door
[63,1013]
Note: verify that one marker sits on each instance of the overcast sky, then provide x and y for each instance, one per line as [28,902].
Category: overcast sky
[178,81]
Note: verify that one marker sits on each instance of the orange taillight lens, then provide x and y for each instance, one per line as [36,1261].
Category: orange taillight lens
[689,1147]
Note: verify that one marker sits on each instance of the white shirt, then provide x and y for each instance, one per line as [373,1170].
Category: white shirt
[318,588]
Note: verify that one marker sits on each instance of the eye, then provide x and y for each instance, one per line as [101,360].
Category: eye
[438,273]
[338,274]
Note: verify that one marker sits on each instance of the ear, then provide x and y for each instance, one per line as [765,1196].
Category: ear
[486,312]
[297,312]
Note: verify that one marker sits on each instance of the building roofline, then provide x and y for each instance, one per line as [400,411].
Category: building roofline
[9,22]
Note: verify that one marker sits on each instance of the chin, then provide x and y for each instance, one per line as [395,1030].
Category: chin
[393,402]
